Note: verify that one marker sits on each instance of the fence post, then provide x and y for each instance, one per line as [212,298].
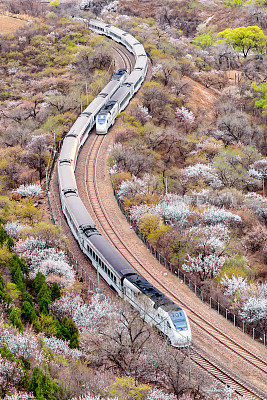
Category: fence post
[218,308]
[243,326]
[210,301]
[226,313]
[234,319]
[195,289]
[253,333]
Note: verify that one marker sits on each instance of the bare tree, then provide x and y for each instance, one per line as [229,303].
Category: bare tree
[234,127]
[38,151]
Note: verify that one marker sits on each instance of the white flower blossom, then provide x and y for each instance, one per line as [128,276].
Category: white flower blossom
[13,228]
[137,212]
[60,346]
[10,374]
[212,236]
[233,284]
[206,266]
[214,216]
[175,211]
[254,309]
[29,244]
[129,188]
[29,190]
[45,260]
[204,171]
[21,345]
[85,316]
[158,394]
[185,115]
[19,396]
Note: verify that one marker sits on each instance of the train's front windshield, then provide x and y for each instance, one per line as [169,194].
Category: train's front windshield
[101,119]
[178,319]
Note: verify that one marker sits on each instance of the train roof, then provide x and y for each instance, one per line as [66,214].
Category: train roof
[119,94]
[79,126]
[68,148]
[110,87]
[153,293]
[112,256]
[116,31]
[66,177]
[98,24]
[133,78]
[78,211]
[139,49]
[141,62]
[130,39]
[94,106]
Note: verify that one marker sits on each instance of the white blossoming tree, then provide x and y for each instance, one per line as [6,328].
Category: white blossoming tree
[206,267]
[45,260]
[86,317]
[13,228]
[10,374]
[234,284]
[29,190]
[255,309]
[212,216]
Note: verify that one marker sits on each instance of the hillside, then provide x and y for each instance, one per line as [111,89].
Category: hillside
[188,164]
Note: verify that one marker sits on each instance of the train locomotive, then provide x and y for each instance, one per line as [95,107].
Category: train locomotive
[156,308]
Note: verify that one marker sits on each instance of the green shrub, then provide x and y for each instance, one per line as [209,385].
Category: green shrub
[38,282]
[14,318]
[28,312]
[55,292]
[43,386]
[44,298]
[3,236]
[26,296]
[69,331]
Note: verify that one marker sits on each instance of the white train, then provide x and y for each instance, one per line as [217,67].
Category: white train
[153,305]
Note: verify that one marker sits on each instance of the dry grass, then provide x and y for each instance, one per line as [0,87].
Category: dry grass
[10,24]
[202,99]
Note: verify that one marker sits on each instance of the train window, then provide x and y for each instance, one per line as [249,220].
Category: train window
[93,254]
[168,325]
[96,258]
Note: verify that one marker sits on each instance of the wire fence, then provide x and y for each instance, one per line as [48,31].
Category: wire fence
[205,297]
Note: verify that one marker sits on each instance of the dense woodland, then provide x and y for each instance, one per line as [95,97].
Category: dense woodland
[189,164]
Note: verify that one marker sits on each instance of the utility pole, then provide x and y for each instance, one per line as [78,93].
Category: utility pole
[97,278]
[86,90]
[166,185]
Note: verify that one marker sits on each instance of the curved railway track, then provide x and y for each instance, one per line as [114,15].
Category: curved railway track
[108,230]
[125,57]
